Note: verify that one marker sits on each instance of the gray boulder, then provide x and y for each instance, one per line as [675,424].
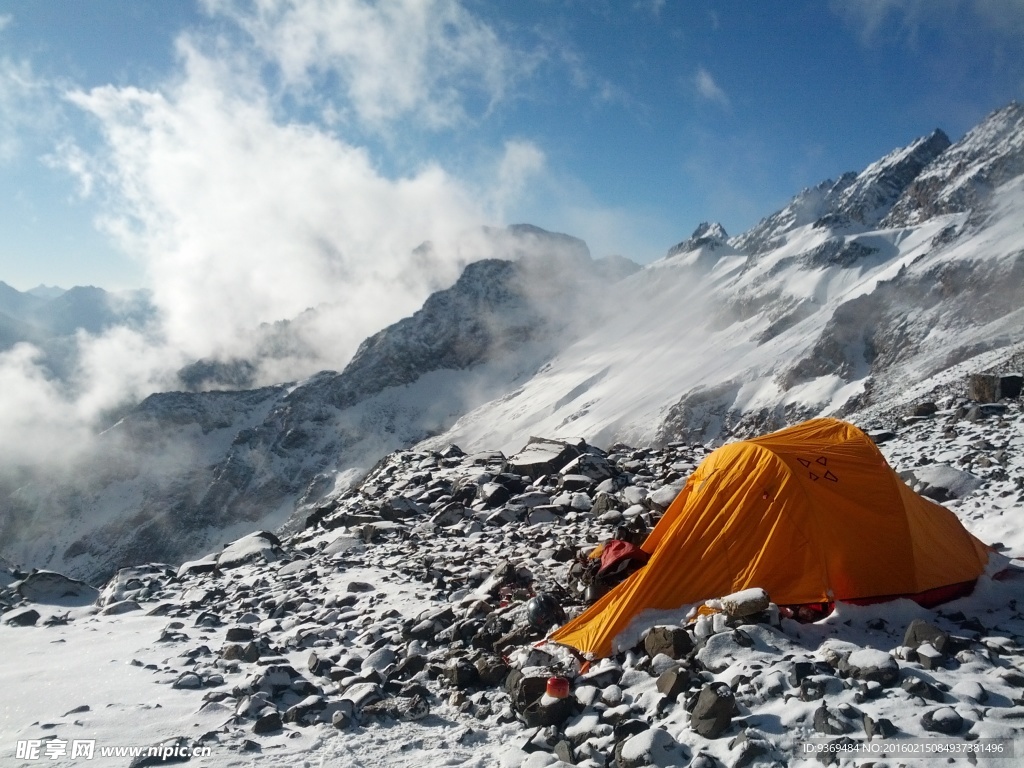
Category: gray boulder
[920,631]
[259,546]
[713,711]
[21,617]
[991,388]
[651,747]
[941,482]
[542,457]
[54,588]
[942,720]
[674,642]
[871,665]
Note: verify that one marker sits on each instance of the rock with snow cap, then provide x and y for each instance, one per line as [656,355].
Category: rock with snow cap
[398,508]
[661,499]
[944,720]
[651,747]
[920,631]
[873,665]
[362,694]
[138,582]
[929,657]
[20,617]
[750,744]
[970,691]
[305,711]
[261,546]
[836,722]
[591,465]
[50,587]
[747,602]
[542,456]
[918,686]
[119,608]
[188,680]
[207,564]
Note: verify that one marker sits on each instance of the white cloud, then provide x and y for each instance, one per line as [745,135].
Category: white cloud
[242,219]
[36,416]
[870,17]
[394,58]
[709,89]
[26,106]
[242,215]
[70,157]
[521,162]
[654,7]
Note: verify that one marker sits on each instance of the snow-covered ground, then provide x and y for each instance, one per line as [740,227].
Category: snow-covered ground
[355,589]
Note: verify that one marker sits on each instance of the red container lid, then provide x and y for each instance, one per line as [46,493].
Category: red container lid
[558,687]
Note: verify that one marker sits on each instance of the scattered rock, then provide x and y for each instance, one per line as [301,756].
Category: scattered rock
[943,720]
[651,747]
[713,711]
[50,587]
[21,617]
[674,642]
[267,723]
[872,665]
[919,631]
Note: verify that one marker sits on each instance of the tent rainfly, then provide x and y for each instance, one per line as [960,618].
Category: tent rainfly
[812,514]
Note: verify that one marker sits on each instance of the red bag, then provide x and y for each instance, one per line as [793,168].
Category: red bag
[617,553]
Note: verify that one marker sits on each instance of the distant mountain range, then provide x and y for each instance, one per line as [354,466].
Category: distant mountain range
[859,298]
[48,317]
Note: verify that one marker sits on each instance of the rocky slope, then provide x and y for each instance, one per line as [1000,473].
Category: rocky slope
[392,629]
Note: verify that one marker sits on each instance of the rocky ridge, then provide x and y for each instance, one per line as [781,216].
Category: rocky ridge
[963,176]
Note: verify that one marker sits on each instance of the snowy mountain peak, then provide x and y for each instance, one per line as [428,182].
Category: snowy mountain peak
[876,189]
[707,234]
[855,202]
[807,207]
[962,178]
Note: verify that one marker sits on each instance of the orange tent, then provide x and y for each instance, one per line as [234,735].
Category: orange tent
[812,514]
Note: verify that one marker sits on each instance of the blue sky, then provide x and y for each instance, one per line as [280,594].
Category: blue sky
[295,151]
